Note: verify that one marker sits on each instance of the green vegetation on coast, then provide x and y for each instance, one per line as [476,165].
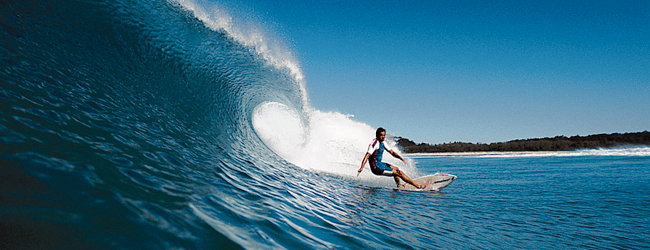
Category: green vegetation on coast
[558,143]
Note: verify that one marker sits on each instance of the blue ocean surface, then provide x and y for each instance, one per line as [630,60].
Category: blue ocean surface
[584,199]
[172,125]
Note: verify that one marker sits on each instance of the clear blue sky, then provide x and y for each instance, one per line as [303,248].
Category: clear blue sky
[475,71]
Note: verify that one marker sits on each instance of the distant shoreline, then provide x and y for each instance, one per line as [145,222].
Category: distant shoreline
[555,144]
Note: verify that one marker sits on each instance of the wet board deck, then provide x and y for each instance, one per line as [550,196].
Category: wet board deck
[438,182]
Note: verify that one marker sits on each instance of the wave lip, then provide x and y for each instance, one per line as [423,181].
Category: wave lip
[250,35]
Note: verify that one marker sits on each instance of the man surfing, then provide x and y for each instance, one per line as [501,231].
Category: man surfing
[375,154]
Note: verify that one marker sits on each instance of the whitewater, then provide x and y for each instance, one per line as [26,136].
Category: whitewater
[183,125]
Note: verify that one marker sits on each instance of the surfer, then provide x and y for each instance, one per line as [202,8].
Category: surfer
[375,153]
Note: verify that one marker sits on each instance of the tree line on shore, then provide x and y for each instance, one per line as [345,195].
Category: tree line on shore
[558,143]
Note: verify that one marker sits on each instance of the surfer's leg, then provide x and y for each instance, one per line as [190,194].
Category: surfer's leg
[400,174]
[389,170]
[396,180]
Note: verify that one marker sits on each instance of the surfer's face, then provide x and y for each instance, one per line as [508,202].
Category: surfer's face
[382,136]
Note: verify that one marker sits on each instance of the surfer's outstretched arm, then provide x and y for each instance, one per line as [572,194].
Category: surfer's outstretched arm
[363,164]
[397,156]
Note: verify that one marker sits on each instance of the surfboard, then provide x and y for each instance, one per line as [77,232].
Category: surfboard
[438,182]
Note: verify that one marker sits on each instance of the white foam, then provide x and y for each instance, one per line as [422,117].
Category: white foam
[326,141]
[280,128]
[617,151]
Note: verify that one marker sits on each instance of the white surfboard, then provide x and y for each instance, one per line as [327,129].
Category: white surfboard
[438,182]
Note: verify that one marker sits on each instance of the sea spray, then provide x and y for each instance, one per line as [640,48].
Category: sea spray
[328,142]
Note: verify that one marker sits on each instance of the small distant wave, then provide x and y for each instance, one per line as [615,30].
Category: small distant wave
[617,151]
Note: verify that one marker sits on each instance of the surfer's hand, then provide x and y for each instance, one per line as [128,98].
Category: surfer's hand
[359,172]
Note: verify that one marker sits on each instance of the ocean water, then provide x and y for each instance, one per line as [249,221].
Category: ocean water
[594,199]
[177,124]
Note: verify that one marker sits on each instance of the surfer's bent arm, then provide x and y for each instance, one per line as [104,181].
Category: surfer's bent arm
[363,164]
[397,156]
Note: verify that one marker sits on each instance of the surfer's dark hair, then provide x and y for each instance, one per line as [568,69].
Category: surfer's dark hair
[379,130]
